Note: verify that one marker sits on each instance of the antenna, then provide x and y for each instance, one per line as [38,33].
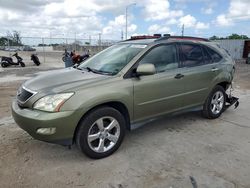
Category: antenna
[182,30]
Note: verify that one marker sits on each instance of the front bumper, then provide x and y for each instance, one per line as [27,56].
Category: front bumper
[31,120]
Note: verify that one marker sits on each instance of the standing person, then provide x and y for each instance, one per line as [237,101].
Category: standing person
[67,59]
[248,59]
[85,54]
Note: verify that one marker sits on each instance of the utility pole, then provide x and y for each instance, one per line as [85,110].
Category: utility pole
[126,15]
[89,39]
[126,27]
[75,41]
[182,30]
[100,39]
[50,36]
[9,46]
[43,50]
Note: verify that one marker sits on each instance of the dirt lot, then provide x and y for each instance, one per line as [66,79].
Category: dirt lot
[164,153]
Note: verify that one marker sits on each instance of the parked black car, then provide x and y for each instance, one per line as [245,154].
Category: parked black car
[28,48]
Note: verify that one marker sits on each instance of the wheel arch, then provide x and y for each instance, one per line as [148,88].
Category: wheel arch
[224,84]
[114,104]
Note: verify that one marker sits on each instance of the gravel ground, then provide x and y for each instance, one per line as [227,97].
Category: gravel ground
[184,151]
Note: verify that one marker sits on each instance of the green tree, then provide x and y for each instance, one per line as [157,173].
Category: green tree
[14,38]
[232,36]
[236,36]
[3,41]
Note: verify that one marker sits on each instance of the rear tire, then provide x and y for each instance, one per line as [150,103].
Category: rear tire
[22,64]
[101,132]
[3,65]
[37,63]
[215,103]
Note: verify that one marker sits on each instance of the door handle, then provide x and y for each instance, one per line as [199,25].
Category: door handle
[179,76]
[214,69]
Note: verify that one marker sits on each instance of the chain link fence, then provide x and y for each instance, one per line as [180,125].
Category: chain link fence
[50,50]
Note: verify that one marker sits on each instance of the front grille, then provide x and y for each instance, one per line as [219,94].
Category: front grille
[23,95]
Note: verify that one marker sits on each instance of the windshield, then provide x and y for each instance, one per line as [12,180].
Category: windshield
[113,59]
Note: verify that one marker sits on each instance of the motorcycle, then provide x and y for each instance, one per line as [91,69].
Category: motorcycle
[8,61]
[77,59]
[35,59]
[72,58]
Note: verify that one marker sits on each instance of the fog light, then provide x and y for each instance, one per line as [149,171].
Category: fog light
[46,131]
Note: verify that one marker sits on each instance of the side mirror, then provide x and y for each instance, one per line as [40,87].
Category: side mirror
[145,69]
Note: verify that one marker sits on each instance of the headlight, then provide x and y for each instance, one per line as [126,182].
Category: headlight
[52,103]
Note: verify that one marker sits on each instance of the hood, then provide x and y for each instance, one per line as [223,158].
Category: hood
[63,79]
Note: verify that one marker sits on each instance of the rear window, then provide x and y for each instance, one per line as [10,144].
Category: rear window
[207,58]
[215,56]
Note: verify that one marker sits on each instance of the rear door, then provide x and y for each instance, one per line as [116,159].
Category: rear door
[198,70]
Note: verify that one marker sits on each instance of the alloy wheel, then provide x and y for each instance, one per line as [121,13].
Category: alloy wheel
[103,134]
[217,102]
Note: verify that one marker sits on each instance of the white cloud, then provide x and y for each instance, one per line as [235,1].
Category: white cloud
[72,8]
[107,30]
[67,17]
[188,21]
[116,26]
[64,17]
[132,28]
[46,17]
[154,29]
[238,10]
[222,20]
[159,10]
[201,25]
[119,20]
[172,21]
[208,10]
[8,16]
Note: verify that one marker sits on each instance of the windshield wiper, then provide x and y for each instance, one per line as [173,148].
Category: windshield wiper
[105,72]
[76,67]
[98,71]
[91,70]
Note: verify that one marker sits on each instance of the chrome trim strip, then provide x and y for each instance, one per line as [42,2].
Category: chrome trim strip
[33,93]
[173,96]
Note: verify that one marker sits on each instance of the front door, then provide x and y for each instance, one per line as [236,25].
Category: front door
[159,93]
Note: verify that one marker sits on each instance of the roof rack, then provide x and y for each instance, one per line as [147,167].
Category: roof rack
[165,37]
[159,37]
[144,37]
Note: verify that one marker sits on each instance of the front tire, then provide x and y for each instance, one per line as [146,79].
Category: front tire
[215,103]
[101,132]
[22,64]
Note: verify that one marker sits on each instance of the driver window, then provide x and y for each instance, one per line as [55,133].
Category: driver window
[162,57]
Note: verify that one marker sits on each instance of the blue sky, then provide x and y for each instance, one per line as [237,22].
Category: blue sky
[84,18]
